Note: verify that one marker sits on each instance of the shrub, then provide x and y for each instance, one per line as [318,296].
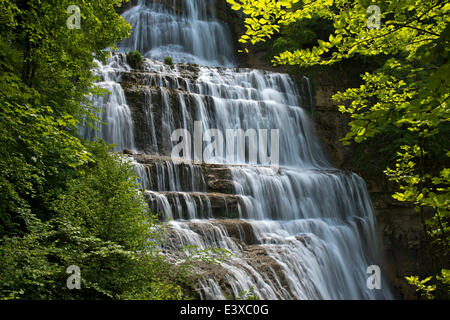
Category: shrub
[168,61]
[100,223]
[135,59]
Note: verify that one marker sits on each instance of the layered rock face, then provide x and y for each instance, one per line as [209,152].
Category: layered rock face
[400,229]
[297,227]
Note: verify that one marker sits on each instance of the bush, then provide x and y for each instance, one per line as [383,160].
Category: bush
[301,34]
[100,223]
[168,61]
[135,59]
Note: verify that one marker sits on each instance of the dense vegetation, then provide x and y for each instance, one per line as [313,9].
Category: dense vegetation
[404,100]
[63,201]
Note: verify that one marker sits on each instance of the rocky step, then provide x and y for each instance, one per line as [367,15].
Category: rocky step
[248,251]
[239,231]
[186,84]
[161,173]
[150,159]
[188,190]
[162,103]
[156,78]
[194,205]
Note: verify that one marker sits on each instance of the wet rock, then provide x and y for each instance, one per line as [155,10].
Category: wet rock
[128,152]
[211,178]
[239,229]
[304,239]
[205,205]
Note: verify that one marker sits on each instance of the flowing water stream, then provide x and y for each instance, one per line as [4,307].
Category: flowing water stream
[303,231]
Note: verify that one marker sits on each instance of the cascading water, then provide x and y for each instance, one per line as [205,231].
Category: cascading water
[303,231]
[113,108]
[185,31]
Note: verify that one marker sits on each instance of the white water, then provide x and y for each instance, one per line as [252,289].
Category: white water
[112,108]
[314,224]
[193,35]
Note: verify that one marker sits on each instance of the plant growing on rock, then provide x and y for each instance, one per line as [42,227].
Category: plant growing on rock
[135,59]
[168,61]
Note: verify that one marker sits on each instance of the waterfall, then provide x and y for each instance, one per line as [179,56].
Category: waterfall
[302,230]
[186,31]
[112,108]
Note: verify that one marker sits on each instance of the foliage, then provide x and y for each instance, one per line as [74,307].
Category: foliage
[407,96]
[64,201]
[45,78]
[56,60]
[100,224]
[422,286]
[208,255]
[104,204]
[36,153]
[428,290]
[192,256]
[168,61]
[135,59]
[247,295]
[300,34]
